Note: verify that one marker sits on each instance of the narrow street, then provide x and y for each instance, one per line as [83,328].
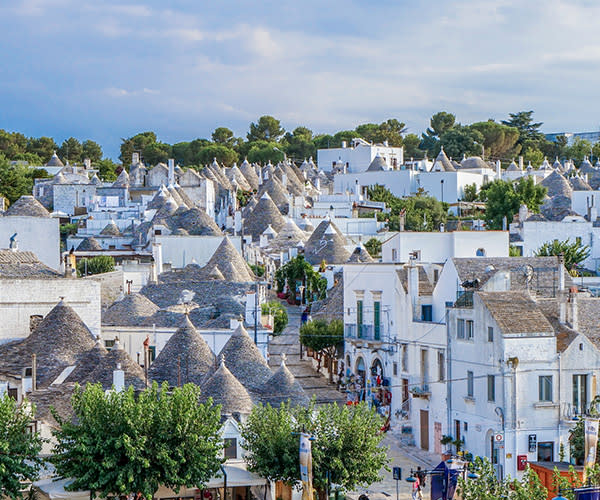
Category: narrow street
[316,384]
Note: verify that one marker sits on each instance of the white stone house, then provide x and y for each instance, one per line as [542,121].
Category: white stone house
[358,156]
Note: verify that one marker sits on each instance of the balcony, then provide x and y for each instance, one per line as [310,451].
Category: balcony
[464,299]
[365,332]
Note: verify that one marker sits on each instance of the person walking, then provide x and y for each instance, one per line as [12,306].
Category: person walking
[416,492]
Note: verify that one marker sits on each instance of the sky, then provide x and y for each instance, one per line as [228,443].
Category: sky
[105,70]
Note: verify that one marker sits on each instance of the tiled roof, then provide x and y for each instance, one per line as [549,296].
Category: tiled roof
[226,390]
[24,265]
[89,244]
[329,247]
[131,310]
[27,206]
[264,213]
[283,387]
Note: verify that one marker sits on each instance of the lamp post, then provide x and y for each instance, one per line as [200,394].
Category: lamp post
[442,184]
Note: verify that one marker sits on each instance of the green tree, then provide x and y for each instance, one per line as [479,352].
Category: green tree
[13,144]
[579,149]
[530,193]
[411,144]
[222,135]
[266,129]
[462,140]
[325,338]
[118,443]
[15,180]
[486,486]
[279,314]
[223,154]
[391,130]
[532,154]
[156,152]
[340,435]
[373,246]
[298,271]
[107,169]
[523,122]
[299,144]
[44,147]
[71,150]
[503,199]
[31,158]
[96,265]
[137,143]
[439,124]
[499,141]
[470,192]
[91,150]
[264,151]
[19,448]
[573,252]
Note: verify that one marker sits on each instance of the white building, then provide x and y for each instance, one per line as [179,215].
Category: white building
[359,156]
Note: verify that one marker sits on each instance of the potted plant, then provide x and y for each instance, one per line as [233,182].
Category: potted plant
[446,441]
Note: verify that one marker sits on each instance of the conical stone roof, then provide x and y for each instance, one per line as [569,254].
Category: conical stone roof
[230,263]
[117,356]
[89,244]
[557,185]
[111,229]
[360,254]
[277,193]
[55,161]
[442,163]
[186,358]
[586,167]
[283,387]
[245,360]
[122,180]
[196,222]
[330,247]
[249,173]
[27,206]
[378,164]
[265,212]
[289,236]
[578,184]
[226,390]
[235,174]
[131,310]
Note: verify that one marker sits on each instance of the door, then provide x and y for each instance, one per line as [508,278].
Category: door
[404,389]
[425,429]
[437,436]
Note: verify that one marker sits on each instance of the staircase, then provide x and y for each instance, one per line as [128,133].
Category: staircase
[288,343]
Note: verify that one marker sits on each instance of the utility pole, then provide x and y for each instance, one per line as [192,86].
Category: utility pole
[256,314]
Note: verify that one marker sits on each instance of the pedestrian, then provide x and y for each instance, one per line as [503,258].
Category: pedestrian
[416,492]
[422,477]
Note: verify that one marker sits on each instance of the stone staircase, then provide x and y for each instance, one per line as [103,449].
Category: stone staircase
[288,343]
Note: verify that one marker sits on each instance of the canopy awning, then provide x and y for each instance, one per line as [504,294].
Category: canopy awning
[55,490]
[237,475]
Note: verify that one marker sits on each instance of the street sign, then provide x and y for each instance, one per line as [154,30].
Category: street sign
[499,438]
[397,472]
[532,443]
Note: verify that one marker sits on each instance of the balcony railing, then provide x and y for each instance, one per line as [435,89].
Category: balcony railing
[365,332]
[464,298]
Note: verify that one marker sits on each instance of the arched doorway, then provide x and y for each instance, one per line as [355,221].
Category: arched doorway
[377,368]
[360,368]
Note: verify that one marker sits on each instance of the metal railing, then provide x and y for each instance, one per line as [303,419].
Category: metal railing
[365,332]
[464,298]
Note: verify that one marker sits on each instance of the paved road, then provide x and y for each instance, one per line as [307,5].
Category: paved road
[288,342]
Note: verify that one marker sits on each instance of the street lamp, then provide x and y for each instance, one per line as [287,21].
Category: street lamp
[442,184]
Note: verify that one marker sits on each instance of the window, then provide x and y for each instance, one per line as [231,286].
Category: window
[436,276]
[469,329]
[426,313]
[28,371]
[230,447]
[395,369]
[490,334]
[491,382]
[441,366]
[466,426]
[460,328]
[109,343]
[470,384]
[359,318]
[152,353]
[394,255]
[545,451]
[545,387]
[424,367]
[404,357]
[580,394]
[377,319]
[158,232]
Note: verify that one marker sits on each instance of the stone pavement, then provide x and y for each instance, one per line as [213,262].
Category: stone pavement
[288,342]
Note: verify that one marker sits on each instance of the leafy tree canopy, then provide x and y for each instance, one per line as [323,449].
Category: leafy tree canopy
[373,246]
[573,252]
[279,314]
[223,154]
[523,122]
[71,150]
[298,270]
[19,448]
[119,443]
[96,265]
[499,140]
[322,336]
[266,129]
[341,434]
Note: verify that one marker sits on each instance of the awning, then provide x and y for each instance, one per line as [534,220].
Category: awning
[56,490]
[237,475]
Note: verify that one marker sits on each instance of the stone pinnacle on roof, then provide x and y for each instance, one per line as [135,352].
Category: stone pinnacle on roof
[226,390]
[54,161]
[27,206]
[245,360]
[186,358]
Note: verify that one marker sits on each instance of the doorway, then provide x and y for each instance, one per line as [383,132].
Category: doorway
[424,429]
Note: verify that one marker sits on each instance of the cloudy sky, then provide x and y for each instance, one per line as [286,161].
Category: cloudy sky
[109,69]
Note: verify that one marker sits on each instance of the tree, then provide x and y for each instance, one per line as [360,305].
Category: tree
[222,135]
[499,141]
[223,154]
[523,122]
[71,150]
[44,147]
[118,443]
[487,486]
[503,199]
[579,149]
[391,130]
[411,144]
[324,338]
[373,246]
[156,152]
[264,151]
[573,252]
[470,192]
[266,129]
[15,180]
[96,265]
[462,140]
[279,313]
[19,448]
[91,150]
[299,144]
[135,144]
[340,435]
[439,124]
[107,169]
[299,272]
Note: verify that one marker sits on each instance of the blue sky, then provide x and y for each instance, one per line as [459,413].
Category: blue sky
[109,69]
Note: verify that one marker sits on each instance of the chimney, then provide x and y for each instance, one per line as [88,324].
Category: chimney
[344,144]
[413,286]
[157,256]
[520,163]
[135,158]
[356,190]
[523,212]
[171,178]
[118,378]
[504,223]
[284,179]
[574,308]
[498,169]
[87,163]
[33,373]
